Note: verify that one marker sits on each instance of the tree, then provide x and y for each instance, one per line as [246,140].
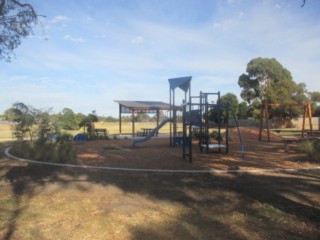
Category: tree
[315,96]
[16,22]
[25,119]
[9,114]
[68,120]
[268,81]
[243,110]
[315,99]
[229,99]
[88,122]
[46,127]
[142,117]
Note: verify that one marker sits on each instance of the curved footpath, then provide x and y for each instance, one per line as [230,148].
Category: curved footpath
[8,154]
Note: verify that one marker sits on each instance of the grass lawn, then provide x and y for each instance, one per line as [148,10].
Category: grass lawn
[113,128]
[5,131]
[41,202]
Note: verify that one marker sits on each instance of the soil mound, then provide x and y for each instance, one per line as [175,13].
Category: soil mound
[251,134]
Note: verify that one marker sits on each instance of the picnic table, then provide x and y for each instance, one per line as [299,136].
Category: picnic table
[145,132]
[101,132]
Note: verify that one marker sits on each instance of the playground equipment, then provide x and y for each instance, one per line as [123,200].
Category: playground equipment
[135,107]
[184,84]
[204,138]
[151,134]
[195,115]
[199,118]
[265,114]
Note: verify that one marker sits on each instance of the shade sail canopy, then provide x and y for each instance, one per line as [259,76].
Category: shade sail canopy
[182,82]
[142,106]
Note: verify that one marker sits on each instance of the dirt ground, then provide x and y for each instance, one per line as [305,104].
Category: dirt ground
[157,154]
[50,202]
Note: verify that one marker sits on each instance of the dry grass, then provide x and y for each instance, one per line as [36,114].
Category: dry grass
[5,127]
[38,202]
[113,127]
[84,204]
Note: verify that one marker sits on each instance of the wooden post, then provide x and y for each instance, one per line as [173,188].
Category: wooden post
[310,118]
[304,120]
[267,119]
[261,121]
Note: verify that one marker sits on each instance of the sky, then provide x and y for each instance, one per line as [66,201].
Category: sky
[87,53]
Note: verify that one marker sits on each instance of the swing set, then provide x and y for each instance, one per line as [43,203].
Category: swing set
[307,112]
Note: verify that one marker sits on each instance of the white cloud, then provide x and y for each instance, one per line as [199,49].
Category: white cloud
[73,39]
[137,40]
[60,18]
[278,6]
[223,24]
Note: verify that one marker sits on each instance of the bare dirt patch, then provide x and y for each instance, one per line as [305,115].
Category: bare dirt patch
[82,203]
[157,154]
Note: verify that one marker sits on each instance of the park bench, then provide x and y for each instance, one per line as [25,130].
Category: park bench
[140,134]
[145,132]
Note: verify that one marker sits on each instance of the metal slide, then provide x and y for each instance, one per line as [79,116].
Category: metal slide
[150,135]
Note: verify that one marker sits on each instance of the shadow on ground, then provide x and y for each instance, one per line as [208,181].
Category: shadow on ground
[283,205]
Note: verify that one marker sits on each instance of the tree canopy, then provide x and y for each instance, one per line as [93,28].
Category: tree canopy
[16,22]
[267,80]
[315,96]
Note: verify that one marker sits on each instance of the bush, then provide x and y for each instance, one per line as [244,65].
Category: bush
[57,151]
[311,148]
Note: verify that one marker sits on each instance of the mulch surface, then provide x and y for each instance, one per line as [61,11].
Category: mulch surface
[157,154]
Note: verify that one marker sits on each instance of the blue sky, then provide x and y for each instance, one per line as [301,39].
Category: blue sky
[89,53]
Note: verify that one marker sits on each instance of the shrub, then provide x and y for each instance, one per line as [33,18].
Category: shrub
[59,151]
[311,148]
[23,149]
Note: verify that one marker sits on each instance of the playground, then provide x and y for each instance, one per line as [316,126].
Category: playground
[157,154]
[166,186]
[88,203]
[192,147]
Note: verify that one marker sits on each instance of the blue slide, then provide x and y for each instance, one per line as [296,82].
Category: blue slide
[153,132]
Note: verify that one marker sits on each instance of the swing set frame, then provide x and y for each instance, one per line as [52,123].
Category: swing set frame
[307,111]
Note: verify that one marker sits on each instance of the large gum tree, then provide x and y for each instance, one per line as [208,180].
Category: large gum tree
[267,80]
